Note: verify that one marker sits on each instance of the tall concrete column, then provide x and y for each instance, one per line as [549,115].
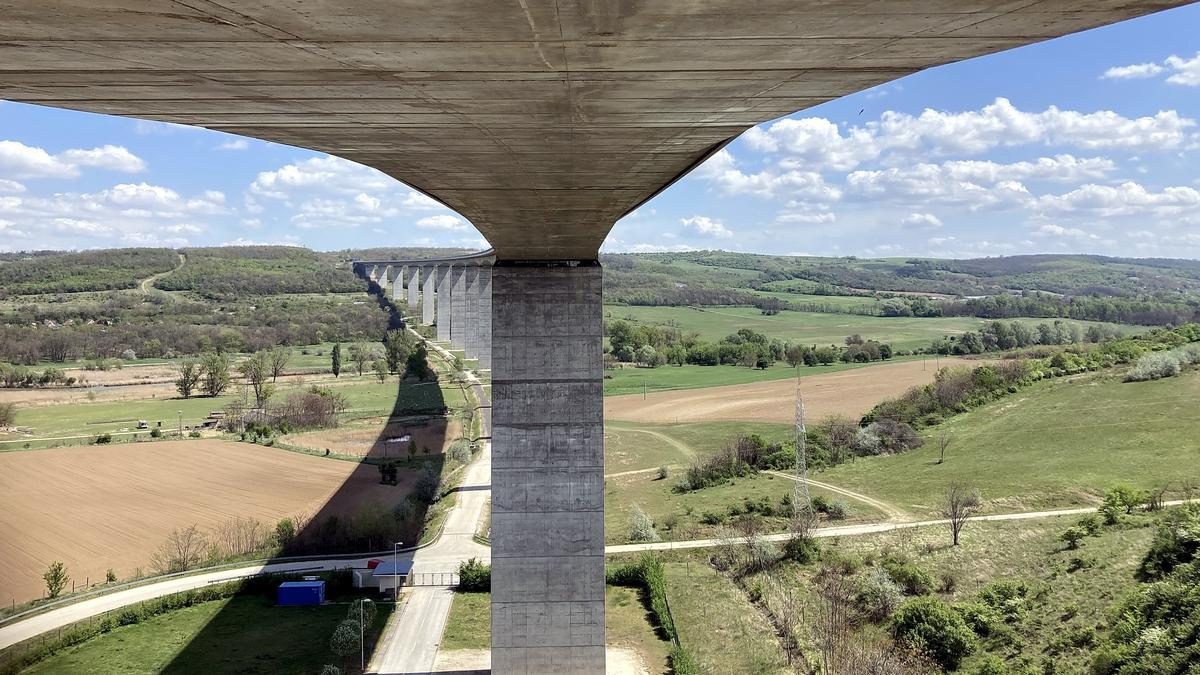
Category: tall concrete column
[427,291]
[397,273]
[445,299]
[483,331]
[547,469]
[458,307]
[471,313]
[414,287]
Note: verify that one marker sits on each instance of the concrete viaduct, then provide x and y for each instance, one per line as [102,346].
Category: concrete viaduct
[454,293]
[540,121]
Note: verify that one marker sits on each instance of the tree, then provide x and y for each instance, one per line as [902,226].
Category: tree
[183,550]
[641,527]
[346,639]
[56,578]
[189,377]
[1125,497]
[397,345]
[417,364]
[256,370]
[278,358]
[8,414]
[647,356]
[960,502]
[943,443]
[285,532]
[215,368]
[336,359]
[362,610]
[381,369]
[360,356]
[794,354]
[1072,536]
[474,576]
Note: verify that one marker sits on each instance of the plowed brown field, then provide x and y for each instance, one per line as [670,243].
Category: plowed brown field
[850,392]
[95,508]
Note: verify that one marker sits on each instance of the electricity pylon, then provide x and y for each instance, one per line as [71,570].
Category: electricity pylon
[800,492]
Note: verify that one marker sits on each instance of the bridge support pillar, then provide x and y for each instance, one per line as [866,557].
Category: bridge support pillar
[444,301]
[397,282]
[547,468]
[427,291]
[458,307]
[414,288]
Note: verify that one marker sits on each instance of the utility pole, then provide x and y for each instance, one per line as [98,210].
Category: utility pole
[801,489]
[180,412]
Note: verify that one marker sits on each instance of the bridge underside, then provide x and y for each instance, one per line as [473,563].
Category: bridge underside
[542,122]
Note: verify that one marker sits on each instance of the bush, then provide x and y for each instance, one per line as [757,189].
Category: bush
[990,665]
[801,549]
[104,439]
[8,414]
[878,595]
[913,579]
[1158,365]
[1176,542]
[837,510]
[474,576]
[641,526]
[1072,536]
[683,663]
[460,451]
[930,626]
[156,433]
[663,472]
[1007,597]
[193,434]
[982,618]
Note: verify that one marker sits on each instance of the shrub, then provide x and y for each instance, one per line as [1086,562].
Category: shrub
[1006,597]
[193,434]
[712,518]
[913,579]
[663,472]
[1072,536]
[110,576]
[641,526]
[460,451]
[801,549]
[878,595]
[838,509]
[1089,524]
[930,626]
[1176,542]
[345,639]
[990,665]
[982,618]
[362,609]
[103,439]
[683,663]
[8,414]
[1158,365]
[156,433]
[474,576]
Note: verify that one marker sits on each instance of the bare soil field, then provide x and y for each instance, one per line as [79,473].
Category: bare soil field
[850,392]
[374,439]
[95,508]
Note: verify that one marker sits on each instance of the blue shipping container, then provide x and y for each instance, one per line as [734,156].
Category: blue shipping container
[301,593]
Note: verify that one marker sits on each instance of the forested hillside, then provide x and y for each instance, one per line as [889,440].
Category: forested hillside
[1147,292]
[109,269]
[237,271]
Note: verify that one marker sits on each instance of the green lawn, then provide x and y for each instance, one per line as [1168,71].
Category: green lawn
[714,323]
[718,625]
[626,622]
[1058,443]
[243,634]
[630,446]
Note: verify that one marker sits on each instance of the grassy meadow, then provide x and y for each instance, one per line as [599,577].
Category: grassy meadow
[714,323]
[1058,443]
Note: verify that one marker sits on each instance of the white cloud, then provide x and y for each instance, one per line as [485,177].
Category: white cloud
[1060,232]
[722,170]
[920,221]
[235,144]
[416,200]
[818,144]
[1187,71]
[10,186]
[441,222]
[817,218]
[23,161]
[326,173]
[926,183]
[1128,198]
[703,226]
[1137,71]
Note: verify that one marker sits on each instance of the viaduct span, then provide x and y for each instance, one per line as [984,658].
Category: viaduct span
[542,122]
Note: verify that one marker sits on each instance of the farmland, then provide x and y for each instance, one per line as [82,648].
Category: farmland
[101,507]
[846,392]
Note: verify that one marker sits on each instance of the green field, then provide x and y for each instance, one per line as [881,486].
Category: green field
[243,634]
[620,381]
[1058,443]
[365,396]
[714,323]
[632,447]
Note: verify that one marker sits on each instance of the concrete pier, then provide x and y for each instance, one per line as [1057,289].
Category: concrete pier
[458,307]
[397,282]
[428,287]
[547,469]
[444,300]
[414,288]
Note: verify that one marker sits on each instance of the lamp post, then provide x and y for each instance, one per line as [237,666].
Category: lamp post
[396,570]
[180,412]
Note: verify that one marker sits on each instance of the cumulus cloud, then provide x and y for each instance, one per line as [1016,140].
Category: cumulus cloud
[1186,71]
[819,145]
[1137,71]
[235,144]
[721,169]
[920,221]
[1127,199]
[326,173]
[11,186]
[441,222]
[1060,232]
[705,227]
[931,183]
[24,161]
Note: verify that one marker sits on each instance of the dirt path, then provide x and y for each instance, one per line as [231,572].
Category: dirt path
[848,392]
[678,445]
[147,284]
[893,513]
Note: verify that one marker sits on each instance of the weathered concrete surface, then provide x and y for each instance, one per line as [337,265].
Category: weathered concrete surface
[547,469]
[541,121]
[483,315]
[414,287]
[396,280]
[427,294]
[444,299]
[458,307]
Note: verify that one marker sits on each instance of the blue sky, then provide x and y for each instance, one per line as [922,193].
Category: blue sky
[1085,144]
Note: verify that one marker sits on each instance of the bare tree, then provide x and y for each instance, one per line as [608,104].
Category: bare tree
[278,358]
[189,377]
[943,442]
[183,550]
[256,370]
[832,618]
[960,502]
[360,356]
[787,607]
[241,536]
[1188,487]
